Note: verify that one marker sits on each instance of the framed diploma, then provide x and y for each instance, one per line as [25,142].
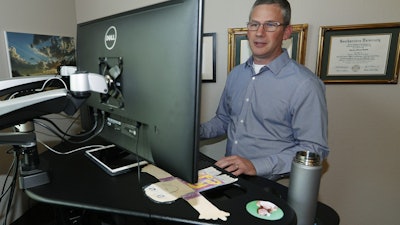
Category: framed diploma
[364,53]
[239,50]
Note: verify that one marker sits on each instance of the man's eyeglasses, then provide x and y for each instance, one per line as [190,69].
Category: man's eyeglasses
[268,26]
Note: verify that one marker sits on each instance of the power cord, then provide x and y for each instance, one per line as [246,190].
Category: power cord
[11,188]
[4,190]
[69,152]
[137,151]
[95,130]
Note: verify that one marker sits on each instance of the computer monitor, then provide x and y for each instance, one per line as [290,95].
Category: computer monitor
[152,59]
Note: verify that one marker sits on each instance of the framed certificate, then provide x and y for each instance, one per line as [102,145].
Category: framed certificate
[366,53]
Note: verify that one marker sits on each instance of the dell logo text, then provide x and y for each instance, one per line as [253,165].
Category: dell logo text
[110,38]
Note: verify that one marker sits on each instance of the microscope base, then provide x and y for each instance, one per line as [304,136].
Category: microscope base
[33,179]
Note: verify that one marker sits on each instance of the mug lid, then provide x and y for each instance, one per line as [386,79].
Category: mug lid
[307,158]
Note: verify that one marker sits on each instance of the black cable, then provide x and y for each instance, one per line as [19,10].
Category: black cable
[137,152]
[4,190]
[13,186]
[50,129]
[11,195]
[103,118]
[78,136]
[86,133]
[71,124]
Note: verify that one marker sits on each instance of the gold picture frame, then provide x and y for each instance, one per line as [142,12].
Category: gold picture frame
[239,51]
[359,54]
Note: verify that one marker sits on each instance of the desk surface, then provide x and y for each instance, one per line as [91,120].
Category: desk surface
[78,182]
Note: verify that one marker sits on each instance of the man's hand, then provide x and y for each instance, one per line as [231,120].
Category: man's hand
[237,165]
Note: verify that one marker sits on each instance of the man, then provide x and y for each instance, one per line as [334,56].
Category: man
[271,106]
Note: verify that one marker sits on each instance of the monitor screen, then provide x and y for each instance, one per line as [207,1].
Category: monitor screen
[151,58]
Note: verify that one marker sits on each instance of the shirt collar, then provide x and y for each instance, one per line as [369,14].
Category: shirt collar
[276,65]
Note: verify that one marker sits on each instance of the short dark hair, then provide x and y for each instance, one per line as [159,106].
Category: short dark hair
[283,4]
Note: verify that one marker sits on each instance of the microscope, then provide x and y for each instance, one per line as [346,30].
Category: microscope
[23,99]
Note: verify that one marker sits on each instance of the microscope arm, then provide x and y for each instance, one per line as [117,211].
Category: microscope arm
[27,107]
[16,138]
[12,105]
[20,83]
[26,99]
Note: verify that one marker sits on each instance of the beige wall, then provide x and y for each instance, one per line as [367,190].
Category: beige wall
[87,10]
[362,179]
[50,17]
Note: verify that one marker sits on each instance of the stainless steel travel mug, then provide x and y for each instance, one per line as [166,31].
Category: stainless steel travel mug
[304,184]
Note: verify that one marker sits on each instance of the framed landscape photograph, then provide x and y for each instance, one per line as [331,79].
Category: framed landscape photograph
[239,50]
[38,54]
[364,53]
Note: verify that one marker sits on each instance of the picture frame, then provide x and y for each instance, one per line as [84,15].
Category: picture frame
[32,54]
[359,54]
[208,74]
[239,50]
